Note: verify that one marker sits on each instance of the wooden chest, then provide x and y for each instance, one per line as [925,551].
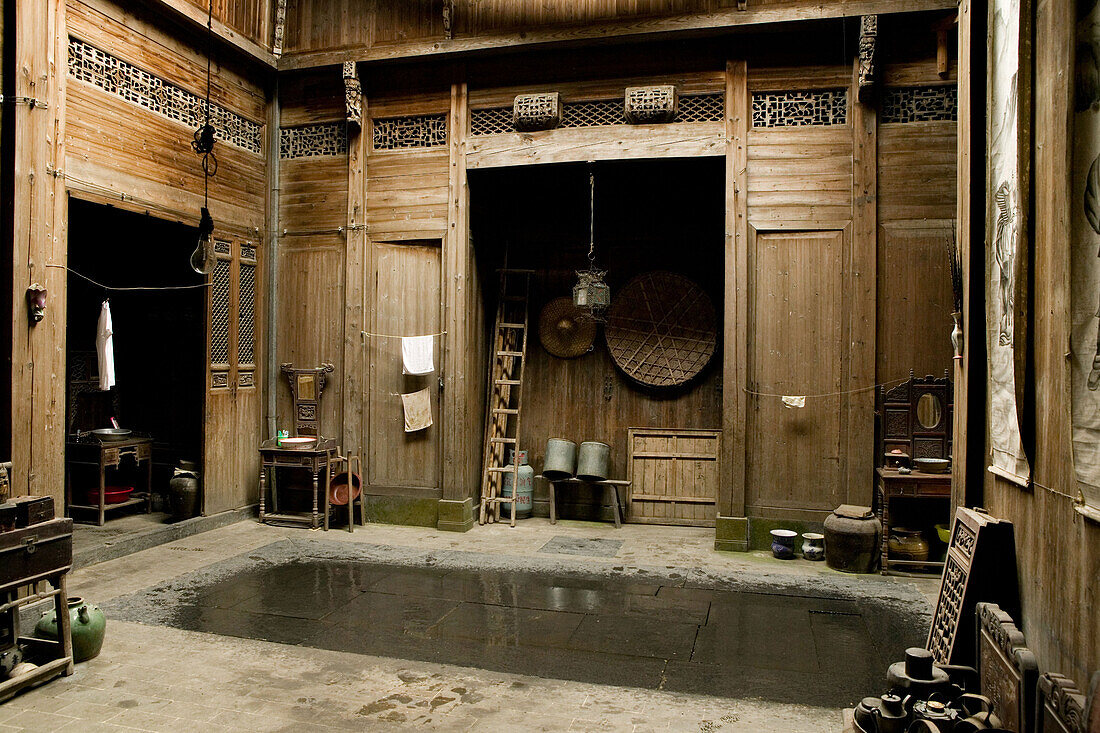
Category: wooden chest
[32,553]
[32,510]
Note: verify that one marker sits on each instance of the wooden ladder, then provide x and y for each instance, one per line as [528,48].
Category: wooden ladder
[506,363]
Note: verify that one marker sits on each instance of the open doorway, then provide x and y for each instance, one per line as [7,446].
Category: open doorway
[651,216]
[157,306]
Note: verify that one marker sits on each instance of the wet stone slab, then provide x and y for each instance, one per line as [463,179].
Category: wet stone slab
[826,647]
[594,547]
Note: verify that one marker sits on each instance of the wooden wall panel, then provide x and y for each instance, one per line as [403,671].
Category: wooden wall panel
[796,322]
[800,174]
[916,175]
[915,299]
[406,303]
[407,195]
[253,19]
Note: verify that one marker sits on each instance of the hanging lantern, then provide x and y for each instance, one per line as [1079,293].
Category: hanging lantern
[591,293]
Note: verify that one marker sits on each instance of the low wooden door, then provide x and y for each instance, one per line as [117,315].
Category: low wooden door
[233,405]
[673,476]
[797,333]
[406,303]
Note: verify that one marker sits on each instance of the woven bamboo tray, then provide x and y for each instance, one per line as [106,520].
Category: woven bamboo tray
[661,329]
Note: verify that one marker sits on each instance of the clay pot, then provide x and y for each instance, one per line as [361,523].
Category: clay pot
[183,491]
[852,545]
[341,489]
[88,626]
[908,544]
[783,543]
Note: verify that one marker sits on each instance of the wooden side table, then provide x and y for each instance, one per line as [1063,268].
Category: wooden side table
[315,460]
[110,454]
[889,484]
[611,485]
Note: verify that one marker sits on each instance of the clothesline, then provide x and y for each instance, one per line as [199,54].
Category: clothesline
[829,394]
[390,336]
[121,289]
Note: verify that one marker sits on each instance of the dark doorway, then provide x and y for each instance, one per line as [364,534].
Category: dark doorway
[159,337]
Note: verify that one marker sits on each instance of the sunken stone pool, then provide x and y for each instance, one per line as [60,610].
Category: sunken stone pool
[821,641]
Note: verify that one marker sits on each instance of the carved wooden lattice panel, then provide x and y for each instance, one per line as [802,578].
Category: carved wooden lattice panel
[219,311]
[311,141]
[800,108]
[115,76]
[920,104]
[694,108]
[246,315]
[491,121]
[593,113]
[403,133]
[702,108]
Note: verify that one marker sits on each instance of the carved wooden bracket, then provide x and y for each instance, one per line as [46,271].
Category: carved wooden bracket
[280,28]
[868,41]
[531,112]
[448,19]
[353,94]
[644,105]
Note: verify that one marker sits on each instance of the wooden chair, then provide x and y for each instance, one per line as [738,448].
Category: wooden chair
[306,386]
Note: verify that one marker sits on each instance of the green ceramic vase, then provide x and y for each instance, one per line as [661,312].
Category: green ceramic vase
[88,626]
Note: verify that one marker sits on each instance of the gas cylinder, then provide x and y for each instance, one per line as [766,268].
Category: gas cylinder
[526,483]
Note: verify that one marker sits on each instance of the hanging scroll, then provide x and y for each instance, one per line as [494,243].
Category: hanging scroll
[1085,257]
[1006,236]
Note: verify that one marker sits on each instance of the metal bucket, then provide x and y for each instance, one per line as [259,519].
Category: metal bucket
[594,461]
[561,458]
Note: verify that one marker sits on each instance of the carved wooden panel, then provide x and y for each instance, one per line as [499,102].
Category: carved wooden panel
[311,141]
[800,108]
[536,111]
[1007,668]
[401,133]
[650,104]
[920,104]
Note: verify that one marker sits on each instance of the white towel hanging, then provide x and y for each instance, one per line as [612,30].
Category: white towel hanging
[105,347]
[417,353]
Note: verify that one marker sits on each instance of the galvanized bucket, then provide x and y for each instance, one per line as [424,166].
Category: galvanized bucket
[594,461]
[561,458]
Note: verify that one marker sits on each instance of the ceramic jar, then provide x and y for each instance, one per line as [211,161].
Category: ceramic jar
[813,546]
[908,544]
[852,543]
[183,490]
[87,624]
[783,543]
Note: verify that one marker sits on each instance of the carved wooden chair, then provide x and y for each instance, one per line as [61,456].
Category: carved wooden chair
[306,387]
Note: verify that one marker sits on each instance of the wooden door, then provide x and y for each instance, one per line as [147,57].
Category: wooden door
[797,328]
[673,476]
[406,303]
[233,404]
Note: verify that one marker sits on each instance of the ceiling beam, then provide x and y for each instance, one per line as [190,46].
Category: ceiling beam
[632,30]
[195,17]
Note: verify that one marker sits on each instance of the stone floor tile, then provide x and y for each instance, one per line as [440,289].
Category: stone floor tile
[36,720]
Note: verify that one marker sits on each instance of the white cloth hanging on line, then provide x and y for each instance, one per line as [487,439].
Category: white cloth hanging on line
[418,410]
[105,347]
[417,353]
[794,401]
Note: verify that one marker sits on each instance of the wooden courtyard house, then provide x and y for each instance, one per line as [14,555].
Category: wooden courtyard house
[794,180]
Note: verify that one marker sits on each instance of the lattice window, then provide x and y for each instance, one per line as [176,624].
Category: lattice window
[493,121]
[219,311]
[702,108]
[920,104]
[115,76]
[402,133]
[593,113]
[311,141]
[246,315]
[800,108]
[946,622]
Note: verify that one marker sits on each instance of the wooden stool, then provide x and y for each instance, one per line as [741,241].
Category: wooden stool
[611,484]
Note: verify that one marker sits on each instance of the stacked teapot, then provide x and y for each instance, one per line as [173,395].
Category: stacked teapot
[927,698]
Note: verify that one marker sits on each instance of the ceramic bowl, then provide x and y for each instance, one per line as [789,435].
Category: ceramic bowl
[932,465]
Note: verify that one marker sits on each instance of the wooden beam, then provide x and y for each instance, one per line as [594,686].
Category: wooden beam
[40,212]
[457,435]
[635,30]
[195,18]
[583,144]
[731,498]
[354,392]
[861,293]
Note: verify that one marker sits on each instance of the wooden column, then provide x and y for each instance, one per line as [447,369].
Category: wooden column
[459,433]
[39,238]
[731,526]
[356,256]
[860,301]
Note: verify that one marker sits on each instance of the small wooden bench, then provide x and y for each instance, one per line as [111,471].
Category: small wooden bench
[611,484]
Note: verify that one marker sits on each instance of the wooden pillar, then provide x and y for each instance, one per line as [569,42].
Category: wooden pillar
[459,433]
[39,239]
[861,301]
[731,525]
[356,256]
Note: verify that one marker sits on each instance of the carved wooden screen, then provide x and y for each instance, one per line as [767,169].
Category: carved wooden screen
[234,287]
